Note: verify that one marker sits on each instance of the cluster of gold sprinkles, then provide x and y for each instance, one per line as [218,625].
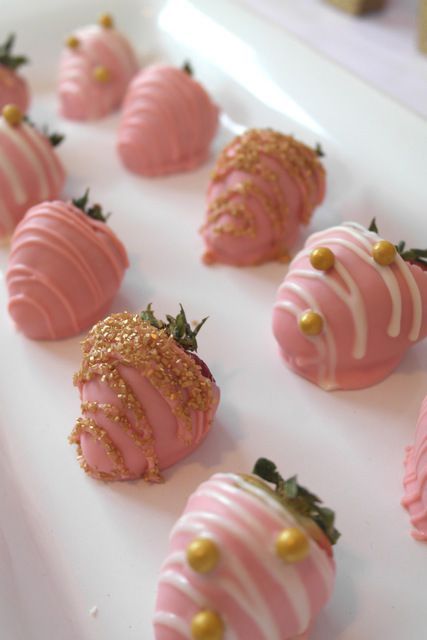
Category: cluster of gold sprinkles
[246,153]
[124,339]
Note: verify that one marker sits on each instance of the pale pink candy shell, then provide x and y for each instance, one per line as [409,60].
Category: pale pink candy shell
[167,124]
[169,448]
[415,480]
[13,89]
[63,271]
[382,353]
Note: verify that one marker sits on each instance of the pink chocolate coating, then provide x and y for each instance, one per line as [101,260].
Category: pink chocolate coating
[64,270]
[415,480]
[264,186]
[30,172]
[256,594]
[13,89]
[371,313]
[145,401]
[167,124]
[81,95]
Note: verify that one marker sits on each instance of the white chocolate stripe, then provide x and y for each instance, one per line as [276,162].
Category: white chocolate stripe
[250,536]
[416,298]
[264,619]
[326,381]
[25,149]
[13,176]
[171,621]
[353,300]
[227,586]
[181,583]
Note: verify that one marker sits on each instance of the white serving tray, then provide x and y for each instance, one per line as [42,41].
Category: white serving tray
[69,543]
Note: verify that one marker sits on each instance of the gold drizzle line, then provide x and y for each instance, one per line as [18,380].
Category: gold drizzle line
[245,153]
[125,339]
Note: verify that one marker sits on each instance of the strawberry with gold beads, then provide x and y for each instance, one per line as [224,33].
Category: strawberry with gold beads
[95,69]
[147,399]
[247,560]
[350,306]
[13,87]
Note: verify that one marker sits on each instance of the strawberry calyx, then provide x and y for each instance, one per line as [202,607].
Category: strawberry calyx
[54,138]
[417,257]
[7,59]
[306,506]
[187,68]
[95,211]
[178,328]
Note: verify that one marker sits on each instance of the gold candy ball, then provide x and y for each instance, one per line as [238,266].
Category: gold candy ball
[292,545]
[72,42]
[101,74]
[106,20]
[384,252]
[322,259]
[311,323]
[202,555]
[207,625]
[12,114]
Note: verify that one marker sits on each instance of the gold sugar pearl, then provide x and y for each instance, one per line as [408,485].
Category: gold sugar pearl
[72,42]
[384,253]
[292,545]
[207,625]
[202,555]
[101,74]
[322,259]
[311,323]
[12,114]
[106,20]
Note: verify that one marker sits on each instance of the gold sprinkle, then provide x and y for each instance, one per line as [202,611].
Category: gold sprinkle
[12,114]
[101,74]
[106,20]
[72,42]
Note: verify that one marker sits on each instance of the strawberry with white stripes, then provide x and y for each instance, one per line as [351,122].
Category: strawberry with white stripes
[95,69]
[13,87]
[30,170]
[247,561]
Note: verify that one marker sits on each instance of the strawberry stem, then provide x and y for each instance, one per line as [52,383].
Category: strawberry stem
[177,327]
[6,57]
[95,211]
[187,68]
[297,498]
[54,138]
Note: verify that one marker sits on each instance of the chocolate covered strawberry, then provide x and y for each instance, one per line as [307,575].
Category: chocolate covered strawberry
[147,399]
[350,306]
[13,87]
[247,561]
[65,267]
[30,170]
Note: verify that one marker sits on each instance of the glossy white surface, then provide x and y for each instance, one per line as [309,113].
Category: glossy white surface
[68,543]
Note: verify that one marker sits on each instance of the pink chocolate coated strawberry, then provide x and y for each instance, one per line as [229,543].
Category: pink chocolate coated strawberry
[246,561]
[64,269]
[168,122]
[13,87]
[95,70]
[30,170]
[147,401]
[349,307]
[264,186]
[415,480]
